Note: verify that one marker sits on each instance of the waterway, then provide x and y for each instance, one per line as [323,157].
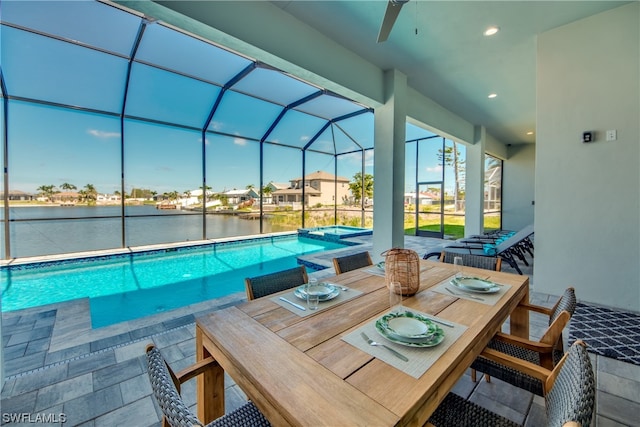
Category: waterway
[36,231]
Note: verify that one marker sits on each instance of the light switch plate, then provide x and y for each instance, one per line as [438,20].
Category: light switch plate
[612,135]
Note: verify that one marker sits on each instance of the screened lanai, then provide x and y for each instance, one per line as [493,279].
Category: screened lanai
[133,125]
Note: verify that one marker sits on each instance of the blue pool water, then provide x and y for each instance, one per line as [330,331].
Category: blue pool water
[335,232]
[126,287]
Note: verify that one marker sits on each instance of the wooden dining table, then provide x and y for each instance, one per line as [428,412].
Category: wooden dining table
[299,371]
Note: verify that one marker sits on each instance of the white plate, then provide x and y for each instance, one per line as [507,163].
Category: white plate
[475,284]
[328,291]
[432,335]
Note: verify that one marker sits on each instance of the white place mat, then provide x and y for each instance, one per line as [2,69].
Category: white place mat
[376,271]
[445,287]
[323,305]
[420,359]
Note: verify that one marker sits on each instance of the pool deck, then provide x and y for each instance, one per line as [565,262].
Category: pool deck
[55,363]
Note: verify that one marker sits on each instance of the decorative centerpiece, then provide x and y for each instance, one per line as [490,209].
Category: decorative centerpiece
[402,265]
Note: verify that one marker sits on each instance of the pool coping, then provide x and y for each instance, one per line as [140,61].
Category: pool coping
[136,250]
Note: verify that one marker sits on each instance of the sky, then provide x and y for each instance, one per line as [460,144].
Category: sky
[77,137]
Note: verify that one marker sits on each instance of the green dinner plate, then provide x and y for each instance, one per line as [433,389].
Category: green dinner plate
[417,331]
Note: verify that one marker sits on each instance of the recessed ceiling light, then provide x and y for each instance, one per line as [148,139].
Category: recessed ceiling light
[491,31]
[530,132]
[492,95]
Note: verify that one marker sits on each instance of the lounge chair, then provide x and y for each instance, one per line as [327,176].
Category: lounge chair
[569,396]
[166,390]
[352,262]
[268,284]
[522,237]
[508,250]
[546,352]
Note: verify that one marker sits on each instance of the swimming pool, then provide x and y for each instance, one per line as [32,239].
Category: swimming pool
[334,232]
[125,287]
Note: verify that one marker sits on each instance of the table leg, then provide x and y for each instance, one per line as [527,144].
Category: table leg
[210,386]
[519,319]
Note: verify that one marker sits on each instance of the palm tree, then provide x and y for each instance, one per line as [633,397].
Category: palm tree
[89,194]
[492,180]
[451,157]
[356,186]
[68,187]
[266,191]
[47,191]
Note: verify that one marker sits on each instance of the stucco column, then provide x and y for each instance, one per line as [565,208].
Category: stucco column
[389,141]
[474,183]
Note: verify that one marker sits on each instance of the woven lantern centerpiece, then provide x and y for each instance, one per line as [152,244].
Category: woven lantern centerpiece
[402,265]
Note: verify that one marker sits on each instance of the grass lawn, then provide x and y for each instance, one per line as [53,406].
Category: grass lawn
[453,226]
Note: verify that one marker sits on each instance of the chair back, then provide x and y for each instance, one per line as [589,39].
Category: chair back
[268,284]
[162,378]
[514,240]
[566,303]
[470,260]
[351,262]
[571,388]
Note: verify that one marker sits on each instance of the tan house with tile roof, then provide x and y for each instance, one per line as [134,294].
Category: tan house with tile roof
[320,188]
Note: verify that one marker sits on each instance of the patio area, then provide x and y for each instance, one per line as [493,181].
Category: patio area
[57,366]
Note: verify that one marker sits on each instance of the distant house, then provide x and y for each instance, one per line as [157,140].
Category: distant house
[424,198]
[107,199]
[236,197]
[320,188]
[66,197]
[17,195]
[273,187]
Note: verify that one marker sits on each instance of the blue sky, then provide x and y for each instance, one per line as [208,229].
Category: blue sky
[178,84]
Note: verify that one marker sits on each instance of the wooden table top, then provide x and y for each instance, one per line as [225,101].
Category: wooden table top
[299,371]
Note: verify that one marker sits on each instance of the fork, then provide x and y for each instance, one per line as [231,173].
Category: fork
[373,343]
[464,295]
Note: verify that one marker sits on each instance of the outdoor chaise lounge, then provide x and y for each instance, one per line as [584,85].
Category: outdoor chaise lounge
[523,237]
[510,250]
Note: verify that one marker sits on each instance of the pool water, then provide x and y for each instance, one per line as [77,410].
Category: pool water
[334,232]
[126,287]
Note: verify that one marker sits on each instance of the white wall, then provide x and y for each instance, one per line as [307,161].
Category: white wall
[518,187]
[587,212]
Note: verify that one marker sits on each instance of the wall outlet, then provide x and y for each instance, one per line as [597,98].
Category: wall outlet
[612,135]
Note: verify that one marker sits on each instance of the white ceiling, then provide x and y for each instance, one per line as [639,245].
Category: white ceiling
[449,60]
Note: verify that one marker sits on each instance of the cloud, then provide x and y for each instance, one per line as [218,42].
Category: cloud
[215,125]
[356,158]
[305,138]
[437,168]
[102,134]
[239,141]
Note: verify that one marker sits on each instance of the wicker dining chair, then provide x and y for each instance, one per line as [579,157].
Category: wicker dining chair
[569,396]
[352,262]
[546,352]
[268,284]
[469,260]
[166,390]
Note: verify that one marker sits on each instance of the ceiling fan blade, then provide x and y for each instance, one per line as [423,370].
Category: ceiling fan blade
[390,16]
